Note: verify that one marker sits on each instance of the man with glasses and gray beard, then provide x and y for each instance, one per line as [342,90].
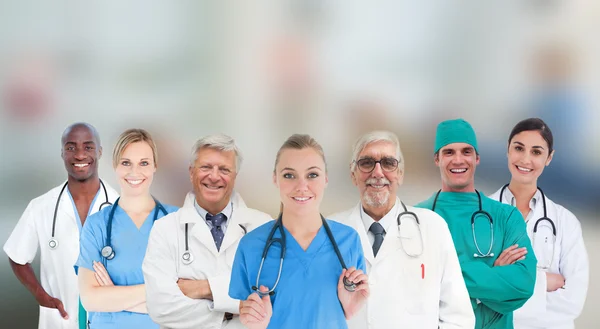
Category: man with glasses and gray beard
[414,273]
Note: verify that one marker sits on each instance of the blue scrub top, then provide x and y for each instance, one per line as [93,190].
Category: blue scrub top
[306,296]
[129,244]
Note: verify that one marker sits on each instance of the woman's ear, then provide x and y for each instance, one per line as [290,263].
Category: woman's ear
[550,157]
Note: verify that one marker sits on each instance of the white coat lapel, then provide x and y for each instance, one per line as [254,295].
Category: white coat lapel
[358,225]
[65,208]
[234,231]
[198,230]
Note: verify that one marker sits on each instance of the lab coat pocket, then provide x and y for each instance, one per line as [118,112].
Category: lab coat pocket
[416,284]
[50,319]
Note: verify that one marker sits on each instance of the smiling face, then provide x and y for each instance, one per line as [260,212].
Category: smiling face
[378,187]
[528,154]
[80,153]
[301,179]
[457,162]
[135,169]
[213,177]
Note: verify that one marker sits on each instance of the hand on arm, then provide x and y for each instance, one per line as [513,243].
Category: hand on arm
[107,298]
[510,255]
[195,289]
[104,280]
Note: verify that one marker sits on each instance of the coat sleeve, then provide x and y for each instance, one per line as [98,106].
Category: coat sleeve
[504,288]
[575,267]
[219,285]
[22,245]
[455,305]
[167,305]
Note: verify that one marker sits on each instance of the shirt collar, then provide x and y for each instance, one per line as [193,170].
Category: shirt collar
[509,198]
[385,221]
[226,211]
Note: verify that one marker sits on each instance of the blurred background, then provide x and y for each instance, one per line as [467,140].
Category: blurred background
[262,70]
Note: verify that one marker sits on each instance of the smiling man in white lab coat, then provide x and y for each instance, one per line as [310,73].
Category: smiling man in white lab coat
[187,267]
[53,222]
[414,273]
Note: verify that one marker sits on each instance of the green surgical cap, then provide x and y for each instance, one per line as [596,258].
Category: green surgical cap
[454,131]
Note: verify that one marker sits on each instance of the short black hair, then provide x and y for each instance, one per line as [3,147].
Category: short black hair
[534,124]
[91,128]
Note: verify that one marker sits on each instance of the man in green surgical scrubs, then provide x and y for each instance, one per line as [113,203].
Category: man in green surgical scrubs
[495,254]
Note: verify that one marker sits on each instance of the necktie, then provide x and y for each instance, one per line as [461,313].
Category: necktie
[378,232]
[216,231]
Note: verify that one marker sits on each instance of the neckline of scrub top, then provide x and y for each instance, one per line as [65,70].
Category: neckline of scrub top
[306,256]
[77,218]
[148,219]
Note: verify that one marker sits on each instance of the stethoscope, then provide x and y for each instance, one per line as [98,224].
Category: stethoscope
[187,257]
[416,218]
[107,251]
[537,222]
[53,242]
[479,254]
[349,286]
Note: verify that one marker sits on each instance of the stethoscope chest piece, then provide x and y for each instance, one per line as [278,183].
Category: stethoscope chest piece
[187,258]
[53,243]
[108,252]
[350,286]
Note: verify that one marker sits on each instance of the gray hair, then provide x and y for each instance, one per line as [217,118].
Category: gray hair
[219,142]
[372,137]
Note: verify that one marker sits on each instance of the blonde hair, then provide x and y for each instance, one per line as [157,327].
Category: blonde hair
[129,137]
[300,142]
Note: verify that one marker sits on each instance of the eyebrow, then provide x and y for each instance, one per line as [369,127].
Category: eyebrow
[74,143]
[292,169]
[130,159]
[535,146]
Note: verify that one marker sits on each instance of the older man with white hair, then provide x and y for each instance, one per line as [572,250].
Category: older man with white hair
[190,252]
[414,273]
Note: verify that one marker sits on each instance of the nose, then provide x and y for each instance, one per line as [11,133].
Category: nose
[377,171]
[458,158]
[80,154]
[302,184]
[214,173]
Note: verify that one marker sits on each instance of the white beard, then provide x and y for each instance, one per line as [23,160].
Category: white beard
[376,199]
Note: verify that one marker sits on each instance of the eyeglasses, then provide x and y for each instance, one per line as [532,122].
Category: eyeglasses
[367,165]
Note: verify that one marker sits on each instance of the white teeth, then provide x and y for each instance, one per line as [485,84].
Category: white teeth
[212,187]
[377,186]
[81,165]
[301,199]
[458,170]
[524,169]
[134,182]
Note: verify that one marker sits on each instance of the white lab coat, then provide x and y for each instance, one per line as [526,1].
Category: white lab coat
[400,296]
[557,309]
[57,273]
[163,266]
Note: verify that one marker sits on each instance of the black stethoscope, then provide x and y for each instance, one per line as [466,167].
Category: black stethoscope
[537,222]
[479,254]
[53,242]
[416,218]
[187,257]
[350,286]
[107,251]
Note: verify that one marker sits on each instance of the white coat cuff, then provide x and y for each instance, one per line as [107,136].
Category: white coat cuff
[219,286]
